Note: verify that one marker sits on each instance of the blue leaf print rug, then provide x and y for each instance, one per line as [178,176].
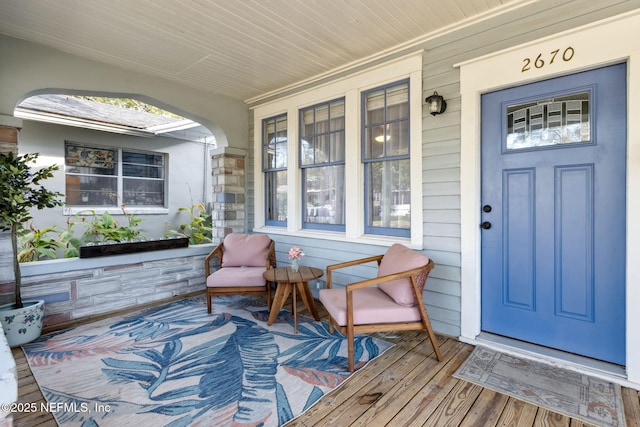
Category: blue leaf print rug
[176,365]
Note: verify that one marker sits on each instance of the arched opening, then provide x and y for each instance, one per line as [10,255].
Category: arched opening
[120,156]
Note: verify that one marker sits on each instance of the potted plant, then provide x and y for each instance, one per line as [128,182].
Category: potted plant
[21,191]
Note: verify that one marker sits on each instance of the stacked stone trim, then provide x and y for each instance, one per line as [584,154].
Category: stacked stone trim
[82,293]
[229,187]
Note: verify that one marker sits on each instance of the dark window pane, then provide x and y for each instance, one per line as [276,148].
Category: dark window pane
[307,147]
[389,198]
[397,102]
[83,190]
[374,107]
[323,150]
[274,144]
[374,138]
[142,171]
[397,139]
[143,192]
[142,158]
[337,147]
[337,115]
[324,189]
[322,133]
[276,189]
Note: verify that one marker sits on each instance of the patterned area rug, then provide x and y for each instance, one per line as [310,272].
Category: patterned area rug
[576,395]
[175,365]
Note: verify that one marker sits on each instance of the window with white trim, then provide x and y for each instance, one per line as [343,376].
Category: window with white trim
[274,167]
[385,154]
[321,146]
[109,177]
[385,174]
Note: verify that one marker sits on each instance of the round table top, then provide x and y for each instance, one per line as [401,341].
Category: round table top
[286,275]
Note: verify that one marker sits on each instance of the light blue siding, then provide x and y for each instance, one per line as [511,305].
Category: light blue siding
[441,147]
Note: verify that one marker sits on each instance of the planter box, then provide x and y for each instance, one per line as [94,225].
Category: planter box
[132,247]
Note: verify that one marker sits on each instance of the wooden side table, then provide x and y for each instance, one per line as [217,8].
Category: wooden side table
[288,281]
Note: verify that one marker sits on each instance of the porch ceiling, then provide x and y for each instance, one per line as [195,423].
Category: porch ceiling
[242,49]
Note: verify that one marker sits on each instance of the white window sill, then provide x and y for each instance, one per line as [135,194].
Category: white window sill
[365,239]
[112,210]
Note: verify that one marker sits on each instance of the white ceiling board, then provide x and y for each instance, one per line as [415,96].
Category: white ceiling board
[237,48]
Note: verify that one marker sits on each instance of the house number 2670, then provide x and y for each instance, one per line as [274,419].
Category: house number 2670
[539,61]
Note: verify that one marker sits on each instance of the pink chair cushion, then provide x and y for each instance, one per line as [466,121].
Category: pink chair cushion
[236,276]
[245,250]
[370,305]
[399,258]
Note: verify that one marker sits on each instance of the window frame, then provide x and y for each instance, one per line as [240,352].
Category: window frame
[582,95]
[304,168]
[349,87]
[368,162]
[274,170]
[116,207]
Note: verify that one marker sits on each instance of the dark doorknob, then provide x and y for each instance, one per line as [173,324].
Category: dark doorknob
[485,225]
[486,208]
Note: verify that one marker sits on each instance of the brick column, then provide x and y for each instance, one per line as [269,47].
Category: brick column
[229,189]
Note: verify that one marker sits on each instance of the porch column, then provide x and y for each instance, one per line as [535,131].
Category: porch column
[229,189]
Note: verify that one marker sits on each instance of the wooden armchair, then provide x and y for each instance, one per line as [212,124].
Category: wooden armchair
[241,261]
[390,302]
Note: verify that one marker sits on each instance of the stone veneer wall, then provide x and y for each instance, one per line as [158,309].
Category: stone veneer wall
[229,186]
[77,288]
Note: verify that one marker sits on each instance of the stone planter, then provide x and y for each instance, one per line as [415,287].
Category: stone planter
[132,247]
[22,325]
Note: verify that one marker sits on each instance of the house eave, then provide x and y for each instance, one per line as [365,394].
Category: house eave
[28,114]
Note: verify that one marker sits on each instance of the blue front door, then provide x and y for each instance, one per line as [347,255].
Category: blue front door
[553,213]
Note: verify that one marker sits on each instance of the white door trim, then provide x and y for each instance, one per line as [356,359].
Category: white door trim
[613,40]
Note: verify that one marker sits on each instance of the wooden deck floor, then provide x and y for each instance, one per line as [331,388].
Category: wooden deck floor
[406,386]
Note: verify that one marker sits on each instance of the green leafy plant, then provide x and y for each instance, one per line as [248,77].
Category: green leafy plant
[38,242]
[104,228]
[21,191]
[69,241]
[198,229]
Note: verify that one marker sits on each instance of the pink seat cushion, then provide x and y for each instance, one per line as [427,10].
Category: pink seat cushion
[236,276]
[397,259]
[370,305]
[245,250]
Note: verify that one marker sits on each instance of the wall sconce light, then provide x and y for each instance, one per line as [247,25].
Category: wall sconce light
[436,104]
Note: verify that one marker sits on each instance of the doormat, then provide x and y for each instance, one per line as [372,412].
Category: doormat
[573,394]
[175,365]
